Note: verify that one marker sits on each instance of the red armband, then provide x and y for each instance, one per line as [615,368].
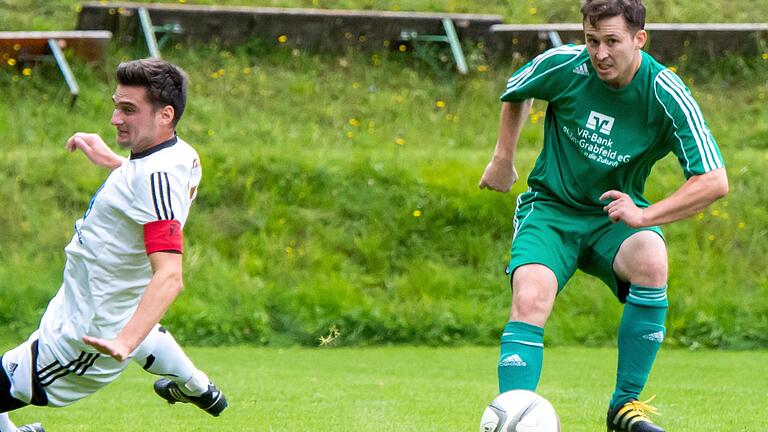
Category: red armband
[163,236]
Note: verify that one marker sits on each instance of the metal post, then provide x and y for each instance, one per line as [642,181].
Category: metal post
[453,40]
[149,33]
[61,61]
[554,39]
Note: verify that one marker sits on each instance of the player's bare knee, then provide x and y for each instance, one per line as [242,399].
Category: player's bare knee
[534,288]
[531,304]
[642,260]
[648,271]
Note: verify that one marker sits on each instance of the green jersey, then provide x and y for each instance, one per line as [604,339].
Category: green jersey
[598,138]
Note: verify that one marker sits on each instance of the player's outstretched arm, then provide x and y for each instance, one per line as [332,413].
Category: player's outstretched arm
[165,285]
[695,194]
[500,173]
[95,149]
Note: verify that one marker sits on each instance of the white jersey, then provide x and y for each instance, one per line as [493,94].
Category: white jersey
[107,267]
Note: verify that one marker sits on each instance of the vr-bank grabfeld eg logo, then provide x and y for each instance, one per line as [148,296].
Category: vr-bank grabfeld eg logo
[595,142]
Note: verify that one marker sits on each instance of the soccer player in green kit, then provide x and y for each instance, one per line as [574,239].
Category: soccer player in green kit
[613,111]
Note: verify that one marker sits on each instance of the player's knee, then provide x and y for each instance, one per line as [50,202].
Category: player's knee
[651,271]
[531,305]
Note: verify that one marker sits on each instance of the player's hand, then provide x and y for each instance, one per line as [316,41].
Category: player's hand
[499,175]
[114,348]
[95,149]
[622,208]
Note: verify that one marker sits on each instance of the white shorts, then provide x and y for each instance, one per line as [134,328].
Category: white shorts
[38,378]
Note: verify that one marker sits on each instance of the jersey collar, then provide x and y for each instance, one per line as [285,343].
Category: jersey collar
[155,148]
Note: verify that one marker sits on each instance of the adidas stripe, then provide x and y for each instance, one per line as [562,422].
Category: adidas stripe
[527,75]
[674,88]
[56,370]
[161,195]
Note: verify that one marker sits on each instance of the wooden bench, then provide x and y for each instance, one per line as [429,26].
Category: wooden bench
[666,41]
[29,47]
[325,29]
[89,45]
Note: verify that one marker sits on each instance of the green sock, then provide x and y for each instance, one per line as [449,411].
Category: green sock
[640,335]
[522,354]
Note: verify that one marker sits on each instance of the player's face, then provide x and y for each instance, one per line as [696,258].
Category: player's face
[613,50]
[139,125]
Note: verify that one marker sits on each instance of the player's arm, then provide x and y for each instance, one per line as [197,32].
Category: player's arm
[163,288]
[698,192]
[500,173]
[95,149]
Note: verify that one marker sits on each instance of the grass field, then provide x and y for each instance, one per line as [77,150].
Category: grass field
[417,389]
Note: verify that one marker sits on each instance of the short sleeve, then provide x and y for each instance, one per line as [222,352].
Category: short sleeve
[159,195]
[691,139]
[536,79]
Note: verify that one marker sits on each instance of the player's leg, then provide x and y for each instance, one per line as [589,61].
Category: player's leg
[17,383]
[540,265]
[642,261]
[6,425]
[534,287]
[634,264]
[159,354]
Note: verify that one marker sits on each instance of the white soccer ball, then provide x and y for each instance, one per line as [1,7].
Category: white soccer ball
[520,411]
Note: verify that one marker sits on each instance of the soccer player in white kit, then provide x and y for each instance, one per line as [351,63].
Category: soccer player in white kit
[124,262]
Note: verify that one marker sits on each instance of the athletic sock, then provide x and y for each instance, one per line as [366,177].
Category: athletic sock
[159,354]
[6,425]
[640,335]
[522,354]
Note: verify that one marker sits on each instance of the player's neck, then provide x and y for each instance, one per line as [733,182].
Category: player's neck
[159,139]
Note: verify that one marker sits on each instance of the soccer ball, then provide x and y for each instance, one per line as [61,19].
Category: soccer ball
[520,411]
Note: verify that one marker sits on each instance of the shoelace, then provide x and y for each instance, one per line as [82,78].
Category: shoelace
[641,407]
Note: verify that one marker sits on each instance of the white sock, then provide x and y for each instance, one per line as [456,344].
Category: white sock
[196,385]
[6,425]
[159,354]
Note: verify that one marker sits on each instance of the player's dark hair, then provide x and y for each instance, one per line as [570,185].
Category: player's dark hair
[166,83]
[633,12]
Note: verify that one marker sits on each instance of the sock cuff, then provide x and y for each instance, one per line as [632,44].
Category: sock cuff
[523,333]
[197,384]
[648,296]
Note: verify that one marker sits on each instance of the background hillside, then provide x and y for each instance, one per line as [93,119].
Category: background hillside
[341,190]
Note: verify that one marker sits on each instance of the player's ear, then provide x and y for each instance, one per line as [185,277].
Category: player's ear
[640,38]
[166,114]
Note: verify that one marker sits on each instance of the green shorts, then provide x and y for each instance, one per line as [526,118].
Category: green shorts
[563,239]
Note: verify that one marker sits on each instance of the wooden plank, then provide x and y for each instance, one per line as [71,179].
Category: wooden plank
[90,45]
[666,41]
[330,29]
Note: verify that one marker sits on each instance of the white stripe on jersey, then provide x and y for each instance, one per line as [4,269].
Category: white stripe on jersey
[521,78]
[161,195]
[680,140]
[694,118]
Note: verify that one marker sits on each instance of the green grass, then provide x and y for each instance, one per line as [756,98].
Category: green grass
[417,389]
[314,168]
